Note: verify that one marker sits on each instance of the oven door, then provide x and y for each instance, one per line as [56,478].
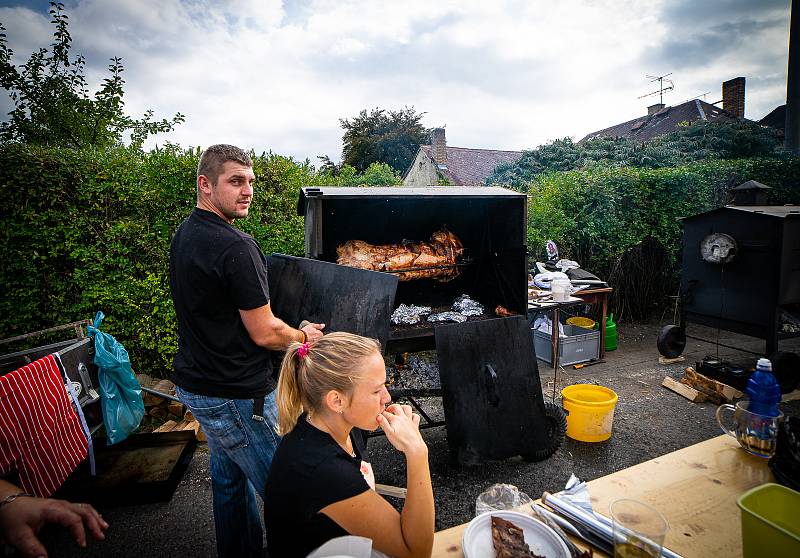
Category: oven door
[491,392]
[343,298]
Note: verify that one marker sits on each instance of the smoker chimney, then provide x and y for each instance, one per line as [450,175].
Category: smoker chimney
[652,109]
[733,96]
[750,193]
[439,145]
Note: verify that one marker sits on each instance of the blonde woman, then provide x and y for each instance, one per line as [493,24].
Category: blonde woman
[319,484]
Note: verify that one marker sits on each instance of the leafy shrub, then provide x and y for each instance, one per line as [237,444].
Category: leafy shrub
[88,230]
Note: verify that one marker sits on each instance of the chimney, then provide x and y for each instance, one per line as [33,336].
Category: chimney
[750,193]
[652,109]
[438,145]
[733,96]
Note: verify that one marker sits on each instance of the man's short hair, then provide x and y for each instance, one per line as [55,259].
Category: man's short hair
[215,156]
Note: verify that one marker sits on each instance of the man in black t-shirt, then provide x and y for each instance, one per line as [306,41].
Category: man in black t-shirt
[222,370]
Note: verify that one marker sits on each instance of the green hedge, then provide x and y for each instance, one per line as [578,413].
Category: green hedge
[594,215]
[90,230]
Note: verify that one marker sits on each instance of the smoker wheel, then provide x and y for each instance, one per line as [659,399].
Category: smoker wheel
[671,341]
[556,428]
[786,368]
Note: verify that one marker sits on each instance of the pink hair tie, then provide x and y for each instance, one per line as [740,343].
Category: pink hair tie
[302,351]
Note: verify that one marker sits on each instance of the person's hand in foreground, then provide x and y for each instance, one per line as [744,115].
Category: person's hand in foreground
[401,427]
[21,520]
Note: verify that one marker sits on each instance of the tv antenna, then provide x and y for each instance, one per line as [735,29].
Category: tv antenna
[661,88]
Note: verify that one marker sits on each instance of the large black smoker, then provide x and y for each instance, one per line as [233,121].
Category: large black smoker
[491,390]
[741,273]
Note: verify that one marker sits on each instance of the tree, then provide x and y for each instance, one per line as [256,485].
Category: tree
[52,105]
[382,136]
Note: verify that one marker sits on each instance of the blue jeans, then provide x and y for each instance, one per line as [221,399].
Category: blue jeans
[241,454]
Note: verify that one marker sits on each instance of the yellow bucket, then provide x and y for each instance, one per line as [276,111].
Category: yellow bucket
[580,321]
[590,411]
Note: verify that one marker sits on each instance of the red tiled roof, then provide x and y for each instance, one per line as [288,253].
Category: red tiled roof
[471,167]
[663,122]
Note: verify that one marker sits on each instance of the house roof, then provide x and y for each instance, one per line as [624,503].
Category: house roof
[471,167]
[775,119]
[662,122]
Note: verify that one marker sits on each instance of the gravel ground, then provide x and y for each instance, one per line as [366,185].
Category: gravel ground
[649,421]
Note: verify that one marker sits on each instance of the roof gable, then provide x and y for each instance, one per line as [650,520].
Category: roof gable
[662,122]
[471,167]
[775,119]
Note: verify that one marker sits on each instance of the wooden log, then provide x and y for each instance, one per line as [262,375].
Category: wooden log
[683,390]
[199,435]
[715,390]
[163,386]
[175,408]
[665,360]
[188,415]
[157,412]
[192,425]
[150,400]
[168,426]
[145,380]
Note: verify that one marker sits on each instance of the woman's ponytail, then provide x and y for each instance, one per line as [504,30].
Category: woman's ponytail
[290,405]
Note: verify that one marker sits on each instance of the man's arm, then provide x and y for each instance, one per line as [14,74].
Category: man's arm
[270,332]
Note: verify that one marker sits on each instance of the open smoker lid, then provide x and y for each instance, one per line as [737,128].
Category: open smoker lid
[491,391]
[343,298]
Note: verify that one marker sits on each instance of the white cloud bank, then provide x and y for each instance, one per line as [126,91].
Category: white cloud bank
[278,76]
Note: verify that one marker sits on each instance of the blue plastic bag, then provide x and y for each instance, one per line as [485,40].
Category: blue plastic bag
[120,392]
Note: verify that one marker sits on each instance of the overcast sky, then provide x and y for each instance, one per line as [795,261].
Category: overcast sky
[272,75]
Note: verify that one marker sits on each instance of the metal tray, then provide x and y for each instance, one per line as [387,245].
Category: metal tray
[145,468]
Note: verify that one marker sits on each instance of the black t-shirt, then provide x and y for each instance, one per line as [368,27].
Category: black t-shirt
[215,270]
[309,472]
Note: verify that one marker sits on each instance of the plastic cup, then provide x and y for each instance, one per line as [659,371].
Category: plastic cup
[639,529]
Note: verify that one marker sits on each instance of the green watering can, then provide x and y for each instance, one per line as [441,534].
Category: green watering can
[611,333]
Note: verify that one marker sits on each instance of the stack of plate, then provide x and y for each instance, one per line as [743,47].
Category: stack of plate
[542,540]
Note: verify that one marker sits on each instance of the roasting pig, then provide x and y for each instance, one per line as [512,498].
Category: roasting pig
[424,259]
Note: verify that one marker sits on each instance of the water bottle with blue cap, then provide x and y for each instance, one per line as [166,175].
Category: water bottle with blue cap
[763,390]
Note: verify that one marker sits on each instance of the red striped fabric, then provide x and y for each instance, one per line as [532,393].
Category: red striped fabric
[40,433]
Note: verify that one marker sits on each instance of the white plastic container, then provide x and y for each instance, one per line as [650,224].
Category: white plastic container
[560,288]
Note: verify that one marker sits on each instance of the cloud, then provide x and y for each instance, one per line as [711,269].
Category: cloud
[504,75]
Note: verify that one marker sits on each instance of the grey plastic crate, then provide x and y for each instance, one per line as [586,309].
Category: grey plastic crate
[575,345]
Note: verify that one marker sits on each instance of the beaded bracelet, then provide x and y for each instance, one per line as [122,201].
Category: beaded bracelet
[11,497]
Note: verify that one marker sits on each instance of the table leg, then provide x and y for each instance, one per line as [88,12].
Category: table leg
[554,335]
[604,306]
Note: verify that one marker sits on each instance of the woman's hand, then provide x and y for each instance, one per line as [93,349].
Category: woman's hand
[22,519]
[401,427]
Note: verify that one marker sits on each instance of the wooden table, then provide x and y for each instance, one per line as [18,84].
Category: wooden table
[587,296]
[695,488]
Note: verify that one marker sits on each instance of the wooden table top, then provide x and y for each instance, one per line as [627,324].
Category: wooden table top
[695,488]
